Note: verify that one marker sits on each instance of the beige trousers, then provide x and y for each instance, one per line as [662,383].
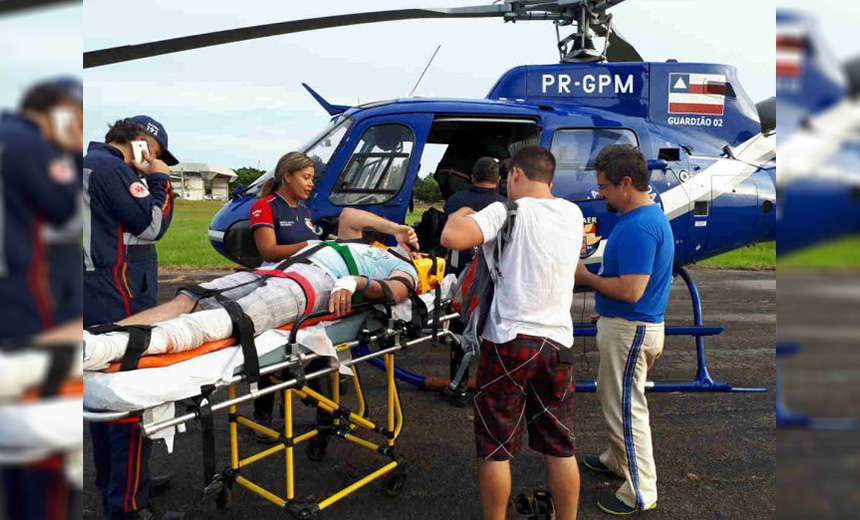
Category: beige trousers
[628,349]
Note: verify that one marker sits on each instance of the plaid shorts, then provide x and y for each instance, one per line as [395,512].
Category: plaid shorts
[524,383]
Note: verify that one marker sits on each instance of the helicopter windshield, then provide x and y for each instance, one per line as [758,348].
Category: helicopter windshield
[320,149]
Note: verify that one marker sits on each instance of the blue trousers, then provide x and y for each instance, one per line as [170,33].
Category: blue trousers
[37,492]
[121,455]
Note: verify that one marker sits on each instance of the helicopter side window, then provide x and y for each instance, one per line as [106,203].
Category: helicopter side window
[377,168]
[575,151]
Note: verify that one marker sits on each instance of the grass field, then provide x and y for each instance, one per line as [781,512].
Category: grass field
[186,243]
[843,254]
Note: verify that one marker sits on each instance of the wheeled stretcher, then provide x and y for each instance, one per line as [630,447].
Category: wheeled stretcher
[376,331]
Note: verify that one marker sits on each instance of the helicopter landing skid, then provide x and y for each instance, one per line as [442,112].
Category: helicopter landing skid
[701,383]
[785,418]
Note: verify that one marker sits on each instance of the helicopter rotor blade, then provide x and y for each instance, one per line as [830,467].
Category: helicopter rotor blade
[13,6]
[619,48]
[198,41]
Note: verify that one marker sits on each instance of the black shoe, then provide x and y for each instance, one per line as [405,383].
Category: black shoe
[612,505]
[593,463]
[261,437]
[455,397]
[151,513]
[316,448]
[159,484]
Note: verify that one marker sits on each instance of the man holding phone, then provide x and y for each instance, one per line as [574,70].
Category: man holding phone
[128,205]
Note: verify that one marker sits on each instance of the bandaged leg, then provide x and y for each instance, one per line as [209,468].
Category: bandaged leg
[278,302]
[186,332]
[23,369]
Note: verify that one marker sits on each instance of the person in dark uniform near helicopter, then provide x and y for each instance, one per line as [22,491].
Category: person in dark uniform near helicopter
[282,226]
[40,187]
[483,191]
[128,205]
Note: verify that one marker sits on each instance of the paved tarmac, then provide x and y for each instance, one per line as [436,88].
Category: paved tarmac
[716,453]
[819,469]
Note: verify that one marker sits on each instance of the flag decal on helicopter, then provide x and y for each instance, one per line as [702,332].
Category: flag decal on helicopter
[703,94]
[789,56]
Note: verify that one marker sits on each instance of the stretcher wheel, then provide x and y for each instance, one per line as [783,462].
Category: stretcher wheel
[395,482]
[303,511]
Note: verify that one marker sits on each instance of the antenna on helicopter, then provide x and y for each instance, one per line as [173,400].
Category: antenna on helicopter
[425,70]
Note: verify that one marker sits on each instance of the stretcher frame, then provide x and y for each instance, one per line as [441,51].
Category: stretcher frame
[389,339]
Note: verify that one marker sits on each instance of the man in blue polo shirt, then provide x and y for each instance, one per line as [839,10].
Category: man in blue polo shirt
[632,291]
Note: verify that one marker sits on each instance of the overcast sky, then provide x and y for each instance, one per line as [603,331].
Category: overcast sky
[37,44]
[243,104]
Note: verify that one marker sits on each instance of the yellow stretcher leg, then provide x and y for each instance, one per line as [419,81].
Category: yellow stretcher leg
[288,433]
[394,422]
[358,484]
[389,370]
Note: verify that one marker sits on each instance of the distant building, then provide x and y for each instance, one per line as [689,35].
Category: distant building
[199,181]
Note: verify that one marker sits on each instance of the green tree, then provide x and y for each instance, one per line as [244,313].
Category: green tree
[427,190]
[246,175]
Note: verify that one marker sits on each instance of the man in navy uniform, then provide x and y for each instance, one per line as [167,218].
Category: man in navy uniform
[128,205]
[40,186]
[483,191]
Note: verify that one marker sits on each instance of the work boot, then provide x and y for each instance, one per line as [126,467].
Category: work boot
[161,473]
[316,448]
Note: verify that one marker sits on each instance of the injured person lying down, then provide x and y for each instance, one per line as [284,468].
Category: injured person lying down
[324,275]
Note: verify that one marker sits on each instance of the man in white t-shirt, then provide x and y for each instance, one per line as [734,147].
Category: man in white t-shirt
[525,376]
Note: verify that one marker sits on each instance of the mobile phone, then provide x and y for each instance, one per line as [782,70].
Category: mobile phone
[62,119]
[137,148]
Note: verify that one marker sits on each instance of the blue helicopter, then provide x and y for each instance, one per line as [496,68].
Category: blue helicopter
[819,124]
[711,149]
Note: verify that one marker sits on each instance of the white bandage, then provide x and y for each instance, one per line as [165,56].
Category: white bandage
[347,283]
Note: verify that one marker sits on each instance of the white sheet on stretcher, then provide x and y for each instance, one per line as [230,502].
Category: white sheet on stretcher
[30,432]
[147,388]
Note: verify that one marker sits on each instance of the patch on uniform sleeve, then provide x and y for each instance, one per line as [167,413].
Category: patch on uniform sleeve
[138,190]
[61,172]
[310,224]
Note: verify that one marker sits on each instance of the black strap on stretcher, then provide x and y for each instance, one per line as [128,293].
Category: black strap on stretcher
[243,331]
[61,358]
[138,342]
[60,366]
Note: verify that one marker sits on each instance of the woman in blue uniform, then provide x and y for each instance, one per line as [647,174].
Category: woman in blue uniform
[281,223]
[282,226]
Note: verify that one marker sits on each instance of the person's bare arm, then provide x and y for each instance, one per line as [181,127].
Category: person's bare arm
[461,232]
[354,221]
[270,250]
[625,288]
[69,333]
[340,302]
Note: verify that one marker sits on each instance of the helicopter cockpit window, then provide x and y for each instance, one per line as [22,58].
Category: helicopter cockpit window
[575,151]
[377,168]
[322,150]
